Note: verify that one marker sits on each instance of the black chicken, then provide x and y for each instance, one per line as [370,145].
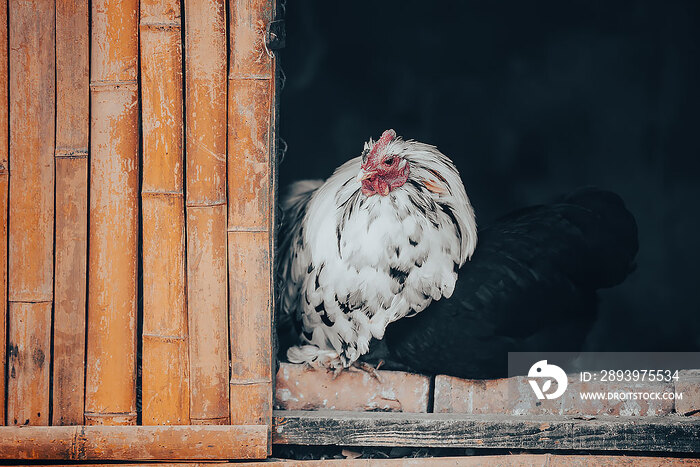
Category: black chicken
[530,286]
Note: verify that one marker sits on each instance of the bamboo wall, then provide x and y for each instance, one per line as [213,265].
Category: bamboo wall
[137,188]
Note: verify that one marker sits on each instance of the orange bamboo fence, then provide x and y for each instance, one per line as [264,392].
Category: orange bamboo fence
[70,283]
[250,214]
[205,82]
[4,175]
[110,388]
[85,206]
[165,351]
[31,210]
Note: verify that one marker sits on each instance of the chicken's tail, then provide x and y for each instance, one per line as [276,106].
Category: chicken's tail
[294,206]
[608,231]
[294,209]
[299,194]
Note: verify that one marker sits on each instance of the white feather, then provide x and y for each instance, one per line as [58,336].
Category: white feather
[358,263]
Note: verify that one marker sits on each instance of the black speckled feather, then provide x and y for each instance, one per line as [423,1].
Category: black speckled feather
[530,286]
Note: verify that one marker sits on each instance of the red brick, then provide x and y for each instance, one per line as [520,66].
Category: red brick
[689,385]
[301,388]
[494,396]
[514,396]
[572,404]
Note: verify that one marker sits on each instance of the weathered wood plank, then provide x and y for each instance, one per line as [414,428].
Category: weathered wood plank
[28,356]
[668,434]
[31,209]
[207,314]
[165,383]
[518,460]
[165,370]
[3,290]
[205,107]
[251,324]
[103,442]
[249,162]
[506,460]
[32,132]
[4,184]
[205,95]
[250,168]
[70,290]
[70,264]
[110,378]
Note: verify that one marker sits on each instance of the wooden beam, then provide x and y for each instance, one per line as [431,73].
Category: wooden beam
[668,434]
[103,442]
[504,460]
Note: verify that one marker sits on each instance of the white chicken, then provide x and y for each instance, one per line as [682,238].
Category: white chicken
[378,241]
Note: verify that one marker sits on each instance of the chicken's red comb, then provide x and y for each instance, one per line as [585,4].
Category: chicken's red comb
[387,137]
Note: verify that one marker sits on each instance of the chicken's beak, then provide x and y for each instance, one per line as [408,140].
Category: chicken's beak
[364,175]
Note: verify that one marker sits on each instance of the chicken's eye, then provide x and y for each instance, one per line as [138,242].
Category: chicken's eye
[389,161]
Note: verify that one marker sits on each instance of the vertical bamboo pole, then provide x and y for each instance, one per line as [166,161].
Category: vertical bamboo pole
[205,78]
[4,175]
[72,130]
[30,293]
[110,387]
[250,216]
[165,350]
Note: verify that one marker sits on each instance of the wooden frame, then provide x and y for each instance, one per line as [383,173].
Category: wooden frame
[133,442]
[605,433]
[503,460]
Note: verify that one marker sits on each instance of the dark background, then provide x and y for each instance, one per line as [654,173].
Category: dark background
[531,100]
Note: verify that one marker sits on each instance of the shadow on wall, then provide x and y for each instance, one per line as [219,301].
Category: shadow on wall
[529,103]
